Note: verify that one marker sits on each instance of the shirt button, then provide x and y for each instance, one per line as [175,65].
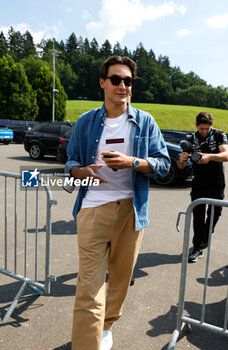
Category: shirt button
[93,157]
[102,124]
[97,140]
[118,202]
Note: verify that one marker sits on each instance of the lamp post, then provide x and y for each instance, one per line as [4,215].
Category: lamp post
[54,90]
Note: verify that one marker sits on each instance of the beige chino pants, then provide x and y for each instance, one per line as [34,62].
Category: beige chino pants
[107,241]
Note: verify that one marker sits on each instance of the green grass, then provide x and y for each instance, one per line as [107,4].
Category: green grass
[74,108]
[167,116]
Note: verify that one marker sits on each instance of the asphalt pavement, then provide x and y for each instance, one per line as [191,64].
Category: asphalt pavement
[44,322]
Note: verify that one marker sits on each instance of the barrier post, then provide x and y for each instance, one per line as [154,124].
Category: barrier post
[181,319]
[38,287]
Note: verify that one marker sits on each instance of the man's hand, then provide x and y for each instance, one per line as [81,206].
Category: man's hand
[184,158]
[117,160]
[88,171]
[220,157]
[206,157]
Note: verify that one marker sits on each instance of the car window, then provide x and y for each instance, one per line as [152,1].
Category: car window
[64,129]
[52,129]
[69,132]
[38,127]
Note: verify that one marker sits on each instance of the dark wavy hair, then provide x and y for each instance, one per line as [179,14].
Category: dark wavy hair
[118,60]
[204,118]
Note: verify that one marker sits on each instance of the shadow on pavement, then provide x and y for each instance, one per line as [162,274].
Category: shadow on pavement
[24,303]
[60,289]
[214,315]
[64,227]
[218,278]
[46,160]
[152,260]
[64,347]
[202,339]
[179,186]
[60,227]
[9,291]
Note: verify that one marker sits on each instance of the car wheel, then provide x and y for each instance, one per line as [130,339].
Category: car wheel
[35,151]
[6,142]
[171,178]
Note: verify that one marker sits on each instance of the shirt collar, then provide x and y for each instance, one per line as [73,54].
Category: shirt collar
[103,112]
[130,111]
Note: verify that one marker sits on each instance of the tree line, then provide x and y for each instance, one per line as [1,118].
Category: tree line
[26,76]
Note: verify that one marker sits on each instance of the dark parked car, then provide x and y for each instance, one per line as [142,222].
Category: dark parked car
[43,139]
[175,136]
[82,98]
[175,175]
[19,132]
[62,148]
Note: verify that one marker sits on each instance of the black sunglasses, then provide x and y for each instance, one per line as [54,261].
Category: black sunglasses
[116,80]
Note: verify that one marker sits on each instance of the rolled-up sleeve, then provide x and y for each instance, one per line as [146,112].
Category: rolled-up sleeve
[158,156]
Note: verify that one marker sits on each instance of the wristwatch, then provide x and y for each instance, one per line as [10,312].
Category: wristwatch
[135,163]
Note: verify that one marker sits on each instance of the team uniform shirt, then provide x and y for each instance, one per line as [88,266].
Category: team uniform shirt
[210,174]
[115,137]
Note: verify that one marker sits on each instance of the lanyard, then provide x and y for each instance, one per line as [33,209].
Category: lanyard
[203,142]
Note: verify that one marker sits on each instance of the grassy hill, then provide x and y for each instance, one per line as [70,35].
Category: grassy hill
[167,116]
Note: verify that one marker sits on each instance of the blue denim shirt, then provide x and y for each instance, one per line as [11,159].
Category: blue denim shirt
[146,141]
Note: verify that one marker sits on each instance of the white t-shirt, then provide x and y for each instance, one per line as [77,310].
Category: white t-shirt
[115,137]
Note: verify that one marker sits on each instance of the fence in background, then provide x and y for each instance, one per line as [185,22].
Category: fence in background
[25,252]
[181,319]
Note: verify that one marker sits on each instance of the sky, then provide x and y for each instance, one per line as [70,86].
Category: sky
[192,33]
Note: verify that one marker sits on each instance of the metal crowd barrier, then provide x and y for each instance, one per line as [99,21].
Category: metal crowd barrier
[182,320]
[20,245]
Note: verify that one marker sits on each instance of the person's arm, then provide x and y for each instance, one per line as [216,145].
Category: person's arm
[183,160]
[156,163]
[119,160]
[158,156]
[220,157]
[87,171]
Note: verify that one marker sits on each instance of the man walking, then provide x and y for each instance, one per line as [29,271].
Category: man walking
[122,147]
[211,145]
